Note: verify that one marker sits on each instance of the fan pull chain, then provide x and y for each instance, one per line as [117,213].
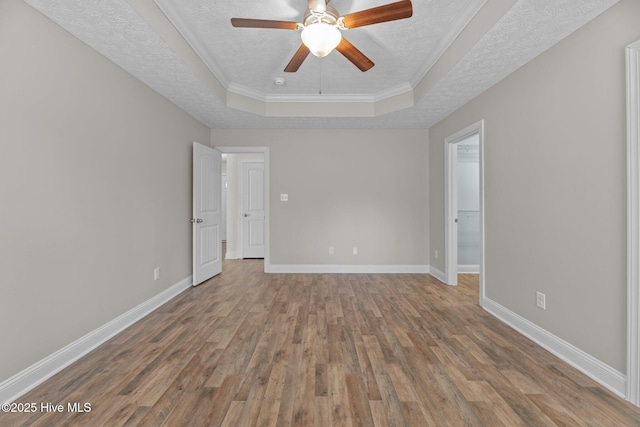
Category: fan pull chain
[320,77]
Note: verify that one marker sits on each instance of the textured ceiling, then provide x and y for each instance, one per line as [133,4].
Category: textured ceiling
[245,61]
[253,58]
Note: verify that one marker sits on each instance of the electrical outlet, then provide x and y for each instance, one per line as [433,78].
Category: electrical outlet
[156,273]
[331,251]
[355,251]
[435,253]
[541,300]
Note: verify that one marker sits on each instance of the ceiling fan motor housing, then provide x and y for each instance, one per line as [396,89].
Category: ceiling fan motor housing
[330,16]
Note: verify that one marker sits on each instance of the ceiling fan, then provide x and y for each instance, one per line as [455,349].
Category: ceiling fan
[321,30]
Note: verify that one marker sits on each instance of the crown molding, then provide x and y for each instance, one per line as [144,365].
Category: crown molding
[457,26]
[319,105]
[197,46]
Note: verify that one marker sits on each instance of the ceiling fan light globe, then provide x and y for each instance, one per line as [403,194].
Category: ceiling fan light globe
[321,38]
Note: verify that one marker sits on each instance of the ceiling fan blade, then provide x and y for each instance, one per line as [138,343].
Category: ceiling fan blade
[318,6]
[297,60]
[354,55]
[389,12]
[263,23]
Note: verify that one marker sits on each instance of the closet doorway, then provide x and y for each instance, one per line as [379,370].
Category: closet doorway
[464,204]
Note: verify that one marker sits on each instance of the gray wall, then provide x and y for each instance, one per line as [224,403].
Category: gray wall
[363,188]
[95,178]
[555,193]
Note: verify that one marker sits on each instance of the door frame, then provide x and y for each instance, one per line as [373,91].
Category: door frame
[451,244]
[267,234]
[633,222]
[240,203]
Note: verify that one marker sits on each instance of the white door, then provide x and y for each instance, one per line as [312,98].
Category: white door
[223,224]
[451,217]
[253,209]
[207,213]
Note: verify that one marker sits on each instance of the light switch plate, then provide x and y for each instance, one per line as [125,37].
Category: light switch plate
[284,197]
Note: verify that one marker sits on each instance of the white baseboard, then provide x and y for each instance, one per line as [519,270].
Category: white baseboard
[589,365]
[22,382]
[469,269]
[231,255]
[344,268]
[437,274]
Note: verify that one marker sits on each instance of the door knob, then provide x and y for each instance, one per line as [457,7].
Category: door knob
[246,215]
[196,220]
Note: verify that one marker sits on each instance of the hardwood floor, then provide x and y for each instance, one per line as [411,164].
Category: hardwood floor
[248,348]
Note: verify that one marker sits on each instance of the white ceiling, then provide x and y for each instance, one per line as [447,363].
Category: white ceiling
[224,76]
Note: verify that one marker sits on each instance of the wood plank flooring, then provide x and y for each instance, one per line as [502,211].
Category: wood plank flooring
[254,349]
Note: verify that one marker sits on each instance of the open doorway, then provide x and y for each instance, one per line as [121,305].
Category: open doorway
[247,203]
[468,204]
[464,204]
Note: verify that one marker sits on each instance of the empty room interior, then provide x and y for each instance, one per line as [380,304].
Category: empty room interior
[433,219]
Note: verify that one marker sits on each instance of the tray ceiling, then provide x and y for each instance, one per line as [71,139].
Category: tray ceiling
[427,66]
